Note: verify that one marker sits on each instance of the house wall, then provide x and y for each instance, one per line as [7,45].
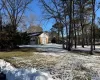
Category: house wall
[40,40]
[43,38]
[34,40]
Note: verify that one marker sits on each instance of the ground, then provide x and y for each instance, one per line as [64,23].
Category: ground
[59,63]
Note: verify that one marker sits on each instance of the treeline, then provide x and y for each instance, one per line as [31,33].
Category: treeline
[11,15]
[75,18]
[10,40]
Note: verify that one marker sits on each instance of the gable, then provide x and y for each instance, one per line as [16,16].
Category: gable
[43,35]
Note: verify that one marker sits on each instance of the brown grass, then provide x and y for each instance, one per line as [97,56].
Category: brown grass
[24,55]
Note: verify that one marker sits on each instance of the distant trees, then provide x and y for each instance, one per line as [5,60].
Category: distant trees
[9,41]
[59,27]
[77,16]
[33,29]
[9,35]
[15,9]
[97,33]
[53,33]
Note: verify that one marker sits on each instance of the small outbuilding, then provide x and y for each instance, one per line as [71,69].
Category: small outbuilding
[44,38]
[39,38]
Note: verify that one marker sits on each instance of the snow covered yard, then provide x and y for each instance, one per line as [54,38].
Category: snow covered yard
[59,63]
[26,62]
[36,60]
[87,48]
[77,67]
[13,73]
[71,65]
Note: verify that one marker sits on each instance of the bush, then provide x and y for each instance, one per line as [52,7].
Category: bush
[5,40]
[22,38]
[10,39]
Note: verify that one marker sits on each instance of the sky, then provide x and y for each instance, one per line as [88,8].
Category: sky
[37,10]
[98,11]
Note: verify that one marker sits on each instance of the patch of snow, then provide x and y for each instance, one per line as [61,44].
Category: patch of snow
[49,54]
[77,65]
[22,74]
[49,49]
[86,48]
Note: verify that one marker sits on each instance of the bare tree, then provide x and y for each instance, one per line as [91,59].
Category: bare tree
[31,19]
[26,21]
[33,29]
[15,10]
[54,10]
[1,6]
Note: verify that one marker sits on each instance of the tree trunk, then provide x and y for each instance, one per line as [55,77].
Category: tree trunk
[92,25]
[70,27]
[87,39]
[74,25]
[66,38]
[75,36]
[78,37]
[58,36]
[62,38]
[82,21]
[82,36]
[91,51]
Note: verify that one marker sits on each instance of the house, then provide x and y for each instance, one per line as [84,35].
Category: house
[43,38]
[39,38]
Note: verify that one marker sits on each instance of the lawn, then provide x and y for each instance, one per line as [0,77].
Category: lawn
[22,52]
[28,57]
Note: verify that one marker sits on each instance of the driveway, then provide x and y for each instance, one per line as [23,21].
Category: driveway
[55,49]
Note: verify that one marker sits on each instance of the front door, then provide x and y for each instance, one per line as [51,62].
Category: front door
[44,40]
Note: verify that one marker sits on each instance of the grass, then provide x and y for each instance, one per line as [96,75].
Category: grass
[26,57]
[35,60]
[22,52]
[4,55]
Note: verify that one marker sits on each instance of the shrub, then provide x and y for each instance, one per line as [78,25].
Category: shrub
[5,40]
[10,39]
